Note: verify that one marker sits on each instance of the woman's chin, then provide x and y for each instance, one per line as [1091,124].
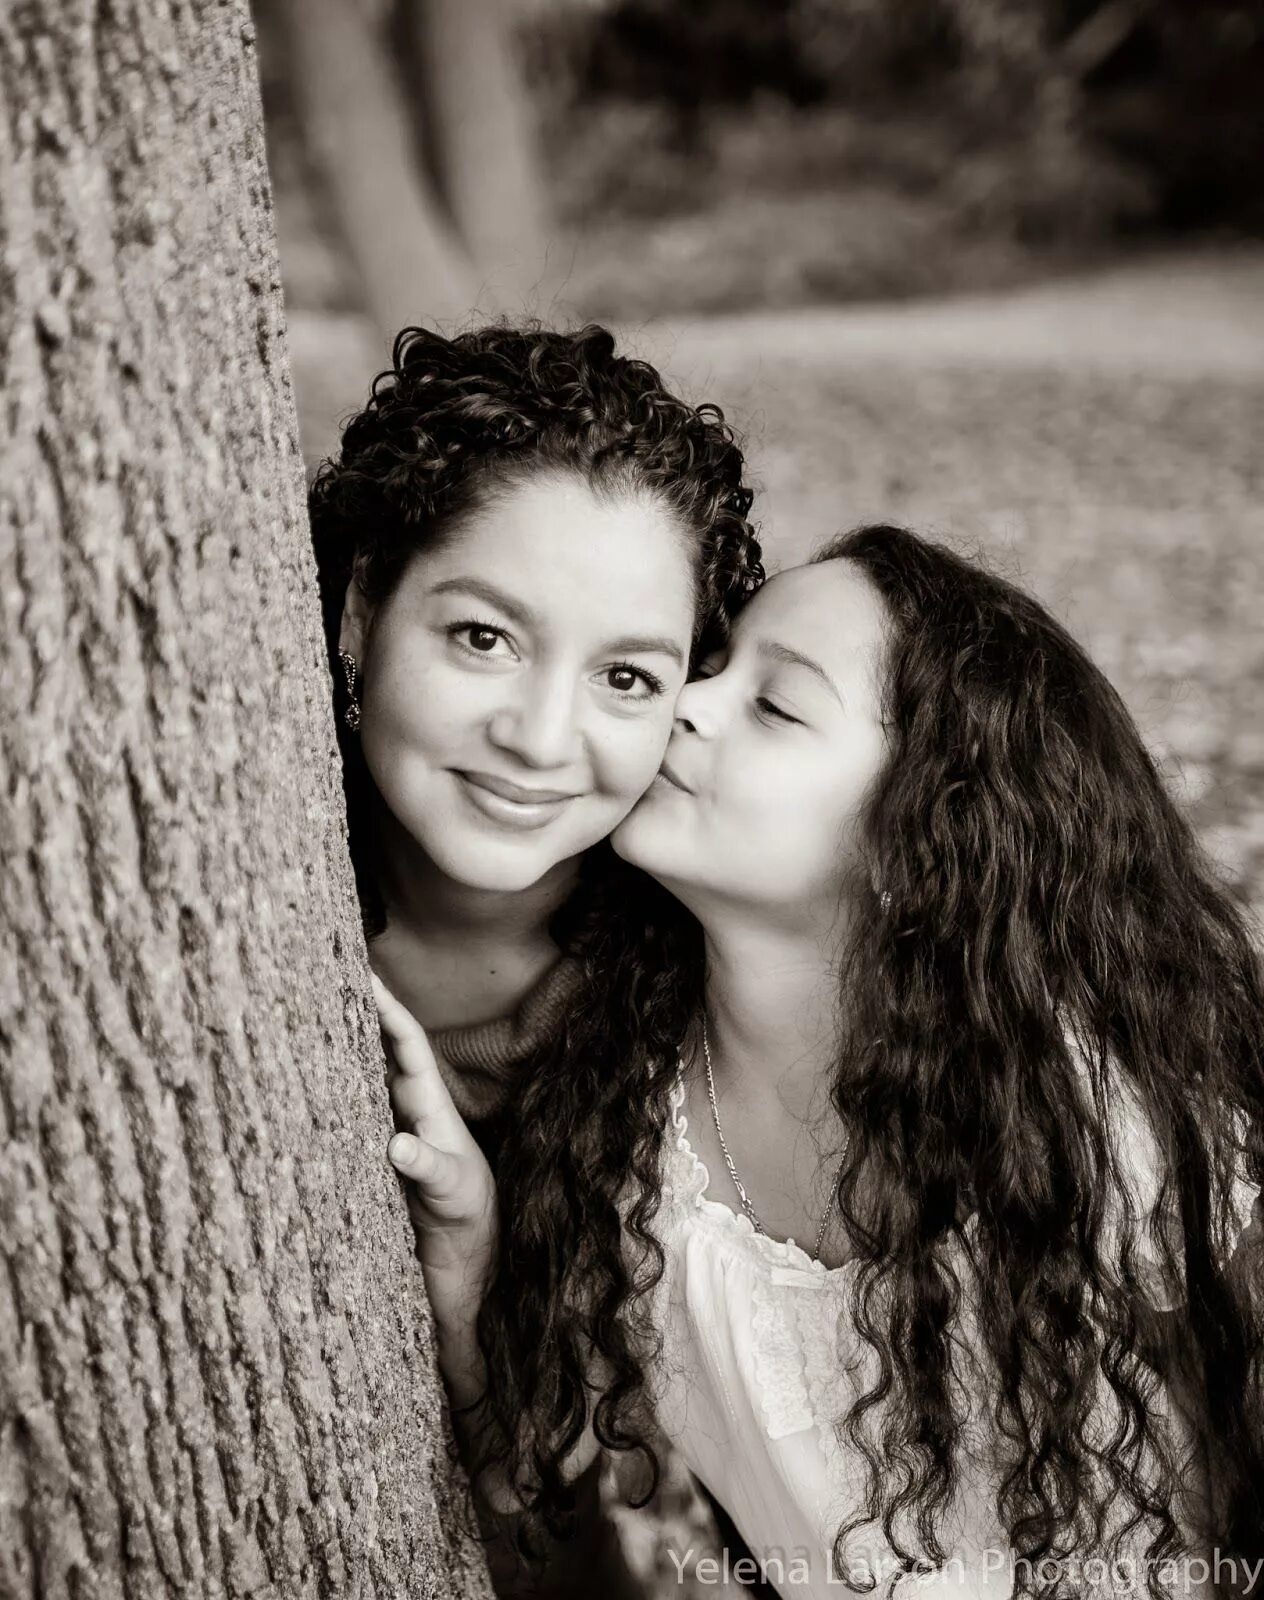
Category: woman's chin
[639,838]
[625,839]
[487,868]
[620,845]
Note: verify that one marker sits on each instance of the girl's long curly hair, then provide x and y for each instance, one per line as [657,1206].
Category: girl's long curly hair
[454,421]
[1046,944]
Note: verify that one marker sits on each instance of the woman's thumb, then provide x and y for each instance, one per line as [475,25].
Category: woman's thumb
[436,1172]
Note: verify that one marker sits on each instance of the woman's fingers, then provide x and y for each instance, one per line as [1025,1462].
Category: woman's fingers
[432,1169]
[417,1087]
[401,1027]
[449,1187]
[439,1155]
[412,1106]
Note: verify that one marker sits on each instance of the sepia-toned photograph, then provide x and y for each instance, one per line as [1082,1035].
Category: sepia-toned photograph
[632,799]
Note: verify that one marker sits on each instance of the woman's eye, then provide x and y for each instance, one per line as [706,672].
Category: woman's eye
[633,682]
[479,637]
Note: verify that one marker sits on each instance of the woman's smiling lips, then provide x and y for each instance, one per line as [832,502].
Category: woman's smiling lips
[509,803]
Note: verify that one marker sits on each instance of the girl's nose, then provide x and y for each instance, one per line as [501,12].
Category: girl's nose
[537,723]
[697,708]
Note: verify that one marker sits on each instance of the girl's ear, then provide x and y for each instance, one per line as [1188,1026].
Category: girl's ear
[357,618]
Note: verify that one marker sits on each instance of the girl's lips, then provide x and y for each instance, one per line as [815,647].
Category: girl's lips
[666,773]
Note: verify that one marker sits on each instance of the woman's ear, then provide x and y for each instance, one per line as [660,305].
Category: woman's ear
[357,618]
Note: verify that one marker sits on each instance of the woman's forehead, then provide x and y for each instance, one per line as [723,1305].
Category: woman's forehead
[562,560]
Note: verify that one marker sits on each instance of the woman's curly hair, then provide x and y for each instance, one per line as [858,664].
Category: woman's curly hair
[1048,939]
[455,420]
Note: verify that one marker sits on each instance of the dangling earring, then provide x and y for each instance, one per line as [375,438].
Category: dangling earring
[884,900]
[351,716]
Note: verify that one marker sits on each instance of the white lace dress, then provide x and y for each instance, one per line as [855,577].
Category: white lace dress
[759,1362]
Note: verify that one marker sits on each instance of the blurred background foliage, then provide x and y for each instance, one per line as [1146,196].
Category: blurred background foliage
[806,150]
[721,154]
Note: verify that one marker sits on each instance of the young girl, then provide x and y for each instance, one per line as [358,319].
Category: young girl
[521,545]
[905,1169]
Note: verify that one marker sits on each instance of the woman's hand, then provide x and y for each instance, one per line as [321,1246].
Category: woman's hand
[453,1205]
[455,1212]
[454,1199]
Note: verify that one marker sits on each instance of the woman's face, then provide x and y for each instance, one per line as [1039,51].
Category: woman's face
[774,749]
[518,683]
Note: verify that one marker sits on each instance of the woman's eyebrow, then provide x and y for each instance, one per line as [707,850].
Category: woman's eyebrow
[482,590]
[638,646]
[785,656]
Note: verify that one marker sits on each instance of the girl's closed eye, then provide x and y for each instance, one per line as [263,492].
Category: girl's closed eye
[770,710]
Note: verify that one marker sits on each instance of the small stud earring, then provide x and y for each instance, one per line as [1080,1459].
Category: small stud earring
[351,716]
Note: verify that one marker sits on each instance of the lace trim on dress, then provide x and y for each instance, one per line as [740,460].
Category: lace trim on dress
[687,1185]
[810,1363]
[794,1335]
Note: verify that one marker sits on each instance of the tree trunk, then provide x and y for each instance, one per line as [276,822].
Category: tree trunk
[410,265]
[216,1364]
[480,122]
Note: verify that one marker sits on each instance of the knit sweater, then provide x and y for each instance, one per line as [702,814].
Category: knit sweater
[480,1063]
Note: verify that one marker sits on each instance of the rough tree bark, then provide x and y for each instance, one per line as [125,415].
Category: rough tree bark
[216,1372]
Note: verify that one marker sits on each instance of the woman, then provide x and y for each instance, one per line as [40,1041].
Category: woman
[958,1006]
[521,545]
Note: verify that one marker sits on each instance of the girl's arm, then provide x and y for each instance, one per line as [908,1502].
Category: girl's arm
[453,1207]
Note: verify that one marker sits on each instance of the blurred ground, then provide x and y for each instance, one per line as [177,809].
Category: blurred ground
[1097,438]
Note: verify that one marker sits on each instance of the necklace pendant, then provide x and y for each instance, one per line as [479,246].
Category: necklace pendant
[748,1210]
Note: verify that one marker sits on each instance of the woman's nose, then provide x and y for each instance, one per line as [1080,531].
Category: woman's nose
[538,723]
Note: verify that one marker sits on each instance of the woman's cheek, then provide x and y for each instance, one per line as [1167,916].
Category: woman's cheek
[628,754]
[429,705]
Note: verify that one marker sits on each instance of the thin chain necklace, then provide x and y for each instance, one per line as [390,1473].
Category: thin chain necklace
[747,1208]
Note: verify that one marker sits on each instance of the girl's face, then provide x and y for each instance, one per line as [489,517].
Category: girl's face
[518,683]
[775,747]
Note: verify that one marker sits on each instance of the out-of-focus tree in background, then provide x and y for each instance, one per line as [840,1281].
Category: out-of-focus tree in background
[411,122]
[633,158]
